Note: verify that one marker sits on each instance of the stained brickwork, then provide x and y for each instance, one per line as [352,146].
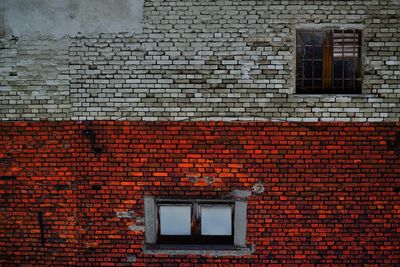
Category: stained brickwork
[34,79]
[322,186]
[318,192]
[203,60]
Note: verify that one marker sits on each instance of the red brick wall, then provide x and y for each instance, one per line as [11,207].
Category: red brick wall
[331,190]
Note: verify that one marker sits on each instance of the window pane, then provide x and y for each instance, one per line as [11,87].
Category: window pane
[349,85]
[318,52]
[317,84]
[309,38]
[307,69]
[348,69]
[346,43]
[309,45]
[358,84]
[308,84]
[338,84]
[175,220]
[338,69]
[318,69]
[308,51]
[216,220]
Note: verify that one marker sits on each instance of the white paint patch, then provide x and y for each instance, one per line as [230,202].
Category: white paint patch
[258,188]
[125,214]
[246,69]
[58,18]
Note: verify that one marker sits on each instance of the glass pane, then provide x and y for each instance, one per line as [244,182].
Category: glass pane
[307,69]
[299,71]
[338,69]
[349,85]
[216,220]
[338,84]
[309,38]
[308,84]
[318,52]
[358,86]
[318,69]
[175,220]
[317,84]
[346,43]
[337,52]
[348,69]
[308,51]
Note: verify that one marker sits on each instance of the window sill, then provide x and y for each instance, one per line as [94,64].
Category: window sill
[207,250]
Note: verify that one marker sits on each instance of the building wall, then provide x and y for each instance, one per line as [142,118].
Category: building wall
[317,192]
[193,99]
[201,60]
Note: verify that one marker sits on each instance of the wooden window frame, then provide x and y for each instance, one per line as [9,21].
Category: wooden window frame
[195,237]
[328,59]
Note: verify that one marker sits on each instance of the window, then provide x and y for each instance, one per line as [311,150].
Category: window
[186,223]
[328,61]
[194,223]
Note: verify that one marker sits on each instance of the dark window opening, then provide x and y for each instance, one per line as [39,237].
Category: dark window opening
[328,61]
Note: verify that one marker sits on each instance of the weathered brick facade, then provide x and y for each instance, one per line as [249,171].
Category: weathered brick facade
[94,122]
[202,60]
[320,193]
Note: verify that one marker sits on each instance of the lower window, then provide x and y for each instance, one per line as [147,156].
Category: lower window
[195,222]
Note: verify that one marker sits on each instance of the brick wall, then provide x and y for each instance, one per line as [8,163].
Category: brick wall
[201,60]
[323,185]
[34,79]
[320,192]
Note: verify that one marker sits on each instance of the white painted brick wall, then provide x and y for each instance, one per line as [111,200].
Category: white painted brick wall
[201,60]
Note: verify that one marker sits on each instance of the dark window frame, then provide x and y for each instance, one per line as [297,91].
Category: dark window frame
[317,74]
[195,238]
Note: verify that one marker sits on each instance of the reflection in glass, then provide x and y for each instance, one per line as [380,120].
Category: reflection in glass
[308,51]
[317,70]
[308,69]
[309,38]
[175,220]
[216,220]
[348,69]
[318,52]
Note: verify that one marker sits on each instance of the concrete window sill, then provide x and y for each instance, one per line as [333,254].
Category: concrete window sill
[207,250]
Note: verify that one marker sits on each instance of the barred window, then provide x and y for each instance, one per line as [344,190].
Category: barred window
[328,61]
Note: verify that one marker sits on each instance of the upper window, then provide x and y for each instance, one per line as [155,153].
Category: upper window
[328,61]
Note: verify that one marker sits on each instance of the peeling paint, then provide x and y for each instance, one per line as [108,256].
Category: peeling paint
[135,227]
[209,179]
[258,188]
[125,214]
[131,258]
[70,17]
[136,222]
[197,178]
[241,194]
[246,69]
[194,178]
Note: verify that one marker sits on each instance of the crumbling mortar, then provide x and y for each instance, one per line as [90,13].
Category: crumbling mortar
[136,222]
